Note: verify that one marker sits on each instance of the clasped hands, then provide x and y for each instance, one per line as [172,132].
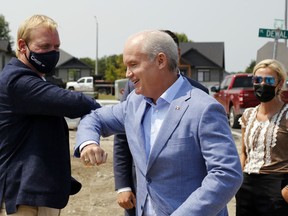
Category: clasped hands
[93,154]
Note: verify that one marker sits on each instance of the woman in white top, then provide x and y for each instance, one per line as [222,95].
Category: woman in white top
[264,155]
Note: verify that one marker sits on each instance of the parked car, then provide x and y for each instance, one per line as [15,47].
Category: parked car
[91,86]
[236,93]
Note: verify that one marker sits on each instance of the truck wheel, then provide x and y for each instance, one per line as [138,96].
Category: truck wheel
[233,119]
[71,88]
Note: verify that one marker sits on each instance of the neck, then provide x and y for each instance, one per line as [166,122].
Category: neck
[271,107]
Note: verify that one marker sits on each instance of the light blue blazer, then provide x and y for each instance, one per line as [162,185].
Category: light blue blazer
[193,168]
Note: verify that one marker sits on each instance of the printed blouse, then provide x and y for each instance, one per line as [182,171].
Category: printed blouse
[266,143]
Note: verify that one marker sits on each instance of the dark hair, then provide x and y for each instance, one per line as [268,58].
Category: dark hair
[173,35]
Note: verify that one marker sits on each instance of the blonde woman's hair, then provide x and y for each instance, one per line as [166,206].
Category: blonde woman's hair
[275,66]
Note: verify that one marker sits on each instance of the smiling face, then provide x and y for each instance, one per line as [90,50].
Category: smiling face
[142,71]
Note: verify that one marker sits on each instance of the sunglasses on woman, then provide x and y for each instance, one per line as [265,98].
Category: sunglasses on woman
[269,80]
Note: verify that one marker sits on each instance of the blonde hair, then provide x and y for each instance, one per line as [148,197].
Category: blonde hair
[273,65]
[33,22]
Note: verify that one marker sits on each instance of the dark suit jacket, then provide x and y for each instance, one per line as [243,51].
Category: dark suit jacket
[124,172]
[34,138]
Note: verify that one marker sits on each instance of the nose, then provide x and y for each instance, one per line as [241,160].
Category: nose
[129,73]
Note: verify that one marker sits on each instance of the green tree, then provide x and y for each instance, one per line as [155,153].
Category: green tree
[249,69]
[182,37]
[4,30]
[115,68]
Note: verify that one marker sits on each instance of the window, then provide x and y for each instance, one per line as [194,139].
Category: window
[203,75]
[224,84]
[89,80]
[243,81]
[73,74]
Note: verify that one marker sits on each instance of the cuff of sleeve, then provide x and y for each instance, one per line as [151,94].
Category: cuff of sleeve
[86,143]
[123,190]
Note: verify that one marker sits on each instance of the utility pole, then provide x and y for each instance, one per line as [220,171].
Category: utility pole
[285,17]
[96,58]
[277,35]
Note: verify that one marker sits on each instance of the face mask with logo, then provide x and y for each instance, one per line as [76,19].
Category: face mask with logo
[44,62]
[264,93]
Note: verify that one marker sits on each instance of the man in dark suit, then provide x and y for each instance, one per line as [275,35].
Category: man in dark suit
[124,170]
[35,169]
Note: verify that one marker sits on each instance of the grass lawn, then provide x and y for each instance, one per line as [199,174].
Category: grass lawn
[106,97]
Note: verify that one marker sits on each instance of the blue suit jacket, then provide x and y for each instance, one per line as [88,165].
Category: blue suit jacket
[34,138]
[194,167]
[124,168]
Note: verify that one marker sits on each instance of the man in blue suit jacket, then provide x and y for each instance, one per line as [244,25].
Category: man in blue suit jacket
[124,169]
[185,157]
[35,169]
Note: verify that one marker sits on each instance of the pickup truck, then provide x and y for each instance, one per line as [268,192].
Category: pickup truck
[91,86]
[236,93]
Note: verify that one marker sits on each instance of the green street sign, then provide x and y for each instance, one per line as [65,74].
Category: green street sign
[271,33]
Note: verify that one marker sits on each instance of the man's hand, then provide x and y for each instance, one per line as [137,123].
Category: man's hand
[126,199]
[93,155]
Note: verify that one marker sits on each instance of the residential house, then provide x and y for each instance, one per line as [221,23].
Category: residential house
[6,53]
[203,61]
[70,68]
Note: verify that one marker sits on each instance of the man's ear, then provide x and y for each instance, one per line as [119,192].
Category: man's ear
[21,46]
[161,60]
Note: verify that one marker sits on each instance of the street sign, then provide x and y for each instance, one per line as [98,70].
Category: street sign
[271,33]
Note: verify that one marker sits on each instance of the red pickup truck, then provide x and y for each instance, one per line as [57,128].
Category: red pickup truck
[236,93]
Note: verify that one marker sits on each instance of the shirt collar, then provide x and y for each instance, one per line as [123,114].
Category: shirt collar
[170,93]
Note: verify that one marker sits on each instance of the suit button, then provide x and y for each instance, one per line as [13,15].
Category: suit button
[142,207]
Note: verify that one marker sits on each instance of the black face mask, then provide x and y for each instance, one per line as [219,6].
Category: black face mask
[44,62]
[264,93]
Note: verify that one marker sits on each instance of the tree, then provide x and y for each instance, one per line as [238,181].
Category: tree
[182,37]
[115,68]
[249,69]
[4,30]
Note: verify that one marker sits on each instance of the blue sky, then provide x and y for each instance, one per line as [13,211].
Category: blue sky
[234,22]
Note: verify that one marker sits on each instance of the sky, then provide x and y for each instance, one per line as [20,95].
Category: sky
[234,22]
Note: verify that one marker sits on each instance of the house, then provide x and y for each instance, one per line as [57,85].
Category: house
[6,53]
[203,61]
[267,52]
[70,68]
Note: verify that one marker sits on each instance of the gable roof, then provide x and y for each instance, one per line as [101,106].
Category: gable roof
[212,51]
[64,57]
[68,61]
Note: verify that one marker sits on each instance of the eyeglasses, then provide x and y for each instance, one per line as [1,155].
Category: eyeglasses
[269,80]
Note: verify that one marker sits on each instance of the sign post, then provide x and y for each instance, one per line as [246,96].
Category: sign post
[273,33]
